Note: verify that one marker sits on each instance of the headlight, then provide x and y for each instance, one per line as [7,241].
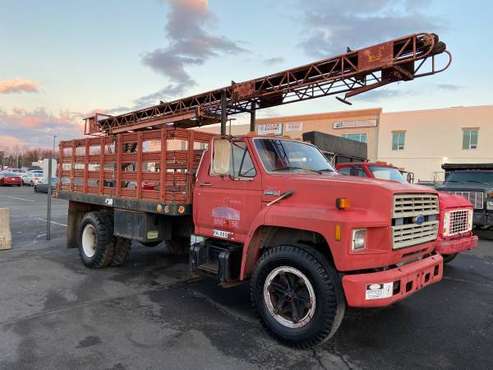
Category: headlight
[489,204]
[359,239]
[470,219]
[446,223]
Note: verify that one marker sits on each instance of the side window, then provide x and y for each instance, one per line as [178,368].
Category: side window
[357,171]
[241,164]
[345,171]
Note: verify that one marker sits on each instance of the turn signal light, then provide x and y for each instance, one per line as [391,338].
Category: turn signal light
[343,203]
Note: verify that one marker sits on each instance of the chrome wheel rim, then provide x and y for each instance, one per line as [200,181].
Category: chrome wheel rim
[289,297]
[89,240]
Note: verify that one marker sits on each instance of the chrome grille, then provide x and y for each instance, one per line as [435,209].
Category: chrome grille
[408,208]
[413,234]
[457,221]
[411,205]
[475,197]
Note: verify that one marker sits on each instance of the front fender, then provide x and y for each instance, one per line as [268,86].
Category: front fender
[318,220]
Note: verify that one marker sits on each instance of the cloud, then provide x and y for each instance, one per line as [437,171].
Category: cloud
[18,86]
[450,87]
[190,43]
[274,60]
[331,26]
[7,143]
[380,95]
[36,128]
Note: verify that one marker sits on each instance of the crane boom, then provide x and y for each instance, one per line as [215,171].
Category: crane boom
[352,73]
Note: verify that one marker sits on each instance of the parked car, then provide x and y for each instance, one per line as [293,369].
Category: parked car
[36,177]
[42,187]
[10,178]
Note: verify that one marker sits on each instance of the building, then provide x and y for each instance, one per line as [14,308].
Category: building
[419,141]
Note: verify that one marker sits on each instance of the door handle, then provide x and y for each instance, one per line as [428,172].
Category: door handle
[205,184]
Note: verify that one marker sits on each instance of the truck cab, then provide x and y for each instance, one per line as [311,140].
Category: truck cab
[456,213]
[473,181]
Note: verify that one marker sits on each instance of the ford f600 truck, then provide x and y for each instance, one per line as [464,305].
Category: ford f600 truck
[264,209]
[267,209]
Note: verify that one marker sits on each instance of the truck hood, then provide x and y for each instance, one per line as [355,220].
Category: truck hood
[469,186]
[450,201]
[321,191]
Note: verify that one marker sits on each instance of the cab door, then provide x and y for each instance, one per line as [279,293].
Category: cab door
[228,192]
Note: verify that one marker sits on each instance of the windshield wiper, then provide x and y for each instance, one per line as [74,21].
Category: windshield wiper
[295,168]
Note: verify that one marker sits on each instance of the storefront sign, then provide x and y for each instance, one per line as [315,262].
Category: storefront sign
[270,129]
[352,124]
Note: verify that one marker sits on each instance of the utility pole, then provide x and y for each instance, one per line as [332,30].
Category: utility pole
[48,205]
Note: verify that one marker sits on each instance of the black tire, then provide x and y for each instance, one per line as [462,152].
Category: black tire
[100,225]
[178,246]
[330,302]
[447,258]
[122,251]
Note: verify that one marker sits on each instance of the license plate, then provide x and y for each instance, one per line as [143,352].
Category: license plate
[379,291]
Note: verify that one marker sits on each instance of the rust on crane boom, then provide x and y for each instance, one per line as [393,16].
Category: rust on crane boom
[353,73]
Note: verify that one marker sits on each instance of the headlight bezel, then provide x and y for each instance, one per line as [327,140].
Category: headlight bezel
[359,239]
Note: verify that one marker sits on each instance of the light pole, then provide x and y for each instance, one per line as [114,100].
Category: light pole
[48,205]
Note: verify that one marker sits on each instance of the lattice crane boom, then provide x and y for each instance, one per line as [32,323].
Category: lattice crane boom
[352,73]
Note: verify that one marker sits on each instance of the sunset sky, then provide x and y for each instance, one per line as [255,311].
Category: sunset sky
[62,60]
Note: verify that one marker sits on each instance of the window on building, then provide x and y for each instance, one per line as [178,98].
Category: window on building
[357,137]
[470,138]
[398,138]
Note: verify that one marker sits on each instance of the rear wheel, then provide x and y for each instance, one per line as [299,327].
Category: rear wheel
[178,246]
[448,257]
[96,242]
[122,251]
[297,295]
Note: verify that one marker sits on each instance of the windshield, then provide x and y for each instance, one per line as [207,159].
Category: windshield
[287,155]
[478,177]
[387,173]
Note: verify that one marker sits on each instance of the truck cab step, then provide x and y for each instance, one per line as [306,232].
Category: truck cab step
[220,259]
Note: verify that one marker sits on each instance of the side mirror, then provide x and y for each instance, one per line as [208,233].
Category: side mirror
[221,157]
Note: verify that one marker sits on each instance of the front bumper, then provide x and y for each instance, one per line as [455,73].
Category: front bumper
[404,280]
[458,245]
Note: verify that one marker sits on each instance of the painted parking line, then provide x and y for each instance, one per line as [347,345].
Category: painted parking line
[17,198]
[52,222]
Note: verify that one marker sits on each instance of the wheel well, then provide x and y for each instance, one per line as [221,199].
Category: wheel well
[76,212]
[271,236]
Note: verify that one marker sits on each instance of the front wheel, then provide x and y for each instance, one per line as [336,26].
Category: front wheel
[448,257]
[297,295]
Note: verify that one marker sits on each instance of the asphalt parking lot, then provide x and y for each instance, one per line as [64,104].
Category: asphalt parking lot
[55,313]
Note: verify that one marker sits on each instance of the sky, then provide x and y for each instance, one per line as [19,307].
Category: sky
[60,61]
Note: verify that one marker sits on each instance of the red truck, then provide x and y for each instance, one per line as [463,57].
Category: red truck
[270,210]
[265,209]
[456,212]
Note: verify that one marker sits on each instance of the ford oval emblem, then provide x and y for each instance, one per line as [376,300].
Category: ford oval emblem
[419,219]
